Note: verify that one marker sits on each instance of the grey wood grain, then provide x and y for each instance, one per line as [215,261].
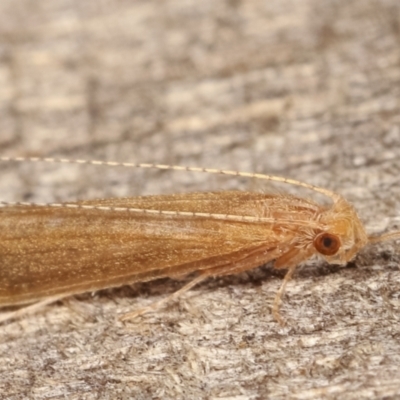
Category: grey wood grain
[299,88]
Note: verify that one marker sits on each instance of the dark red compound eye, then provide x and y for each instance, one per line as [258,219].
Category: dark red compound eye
[327,244]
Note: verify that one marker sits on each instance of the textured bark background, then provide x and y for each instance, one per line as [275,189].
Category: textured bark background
[300,88]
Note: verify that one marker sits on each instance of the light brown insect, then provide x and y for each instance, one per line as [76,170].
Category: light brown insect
[49,251]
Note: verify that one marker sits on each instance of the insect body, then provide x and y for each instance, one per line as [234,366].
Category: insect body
[54,250]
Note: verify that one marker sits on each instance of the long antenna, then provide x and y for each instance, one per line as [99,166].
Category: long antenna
[334,196]
[144,211]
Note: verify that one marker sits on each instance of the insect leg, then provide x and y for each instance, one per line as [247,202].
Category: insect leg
[31,309]
[288,260]
[251,261]
[279,294]
[158,304]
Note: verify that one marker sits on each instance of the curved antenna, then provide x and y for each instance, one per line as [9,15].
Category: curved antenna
[334,196]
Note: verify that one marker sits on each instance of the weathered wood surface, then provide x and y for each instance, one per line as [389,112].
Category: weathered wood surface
[305,89]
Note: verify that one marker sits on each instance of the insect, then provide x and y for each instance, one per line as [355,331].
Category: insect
[49,251]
